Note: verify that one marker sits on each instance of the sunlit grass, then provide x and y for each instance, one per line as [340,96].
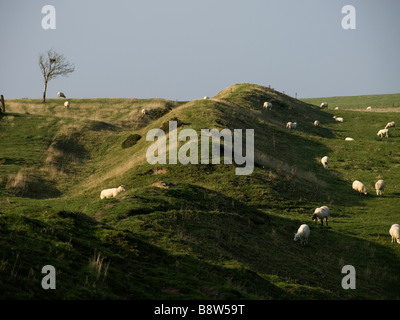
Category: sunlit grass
[196,231]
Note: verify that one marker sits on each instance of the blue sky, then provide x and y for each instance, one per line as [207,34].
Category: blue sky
[186,49]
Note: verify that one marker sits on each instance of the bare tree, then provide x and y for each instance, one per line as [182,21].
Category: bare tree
[53,65]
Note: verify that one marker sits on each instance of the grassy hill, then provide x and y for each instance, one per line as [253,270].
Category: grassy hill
[195,231]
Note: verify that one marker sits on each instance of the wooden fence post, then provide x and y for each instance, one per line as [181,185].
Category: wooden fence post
[3,105]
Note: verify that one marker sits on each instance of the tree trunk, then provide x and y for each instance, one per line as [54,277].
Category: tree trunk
[44,92]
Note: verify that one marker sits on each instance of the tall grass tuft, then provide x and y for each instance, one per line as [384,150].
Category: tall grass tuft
[96,264]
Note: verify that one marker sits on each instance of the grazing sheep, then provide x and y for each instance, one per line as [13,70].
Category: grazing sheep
[316,123]
[145,112]
[379,187]
[206,98]
[349,139]
[302,234]
[291,125]
[359,187]
[390,125]
[321,213]
[267,105]
[324,105]
[383,132]
[369,108]
[60,95]
[338,119]
[66,104]
[111,193]
[337,108]
[325,161]
[395,233]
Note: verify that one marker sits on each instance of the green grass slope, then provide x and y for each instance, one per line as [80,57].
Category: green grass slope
[195,231]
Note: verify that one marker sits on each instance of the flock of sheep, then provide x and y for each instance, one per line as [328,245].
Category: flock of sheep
[322,213]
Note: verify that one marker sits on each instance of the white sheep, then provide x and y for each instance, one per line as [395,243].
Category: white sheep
[316,123]
[60,95]
[324,105]
[383,132]
[267,105]
[369,108]
[66,104]
[395,233]
[390,125]
[325,161]
[379,187]
[145,112]
[359,187]
[349,139]
[337,108]
[206,98]
[321,213]
[338,119]
[302,234]
[291,125]
[111,193]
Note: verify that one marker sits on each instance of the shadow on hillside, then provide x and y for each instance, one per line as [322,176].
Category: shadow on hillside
[313,271]
[229,258]
[102,126]
[233,235]
[128,266]
[189,197]
[66,151]
[13,161]
[32,186]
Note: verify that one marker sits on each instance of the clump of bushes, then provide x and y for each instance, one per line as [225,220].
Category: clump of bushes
[158,113]
[165,125]
[131,140]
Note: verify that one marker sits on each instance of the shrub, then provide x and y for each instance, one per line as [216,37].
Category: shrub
[165,125]
[131,140]
[161,111]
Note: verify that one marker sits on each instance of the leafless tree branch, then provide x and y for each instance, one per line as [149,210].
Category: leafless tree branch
[52,65]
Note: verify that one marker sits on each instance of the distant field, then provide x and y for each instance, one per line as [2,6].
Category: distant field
[386,102]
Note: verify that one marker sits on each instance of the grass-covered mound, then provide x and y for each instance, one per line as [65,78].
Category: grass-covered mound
[195,231]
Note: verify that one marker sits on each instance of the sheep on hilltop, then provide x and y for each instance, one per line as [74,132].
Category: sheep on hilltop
[324,105]
[302,234]
[379,187]
[391,124]
[267,105]
[338,119]
[383,132]
[321,213]
[291,125]
[325,161]
[395,233]
[111,193]
[359,187]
